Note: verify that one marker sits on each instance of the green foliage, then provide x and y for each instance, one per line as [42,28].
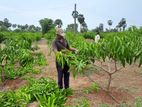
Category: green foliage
[2,37]
[123,105]
[39,59]
[89,35]
[58,22]
[82,102]
[46,25]
[94,87]
[45,91]
[47,88]
[11,72]
[13,99]
[50,36]
[138,102]
[123,47]
[103,105]
[18,55]
[69,58]
[70,27]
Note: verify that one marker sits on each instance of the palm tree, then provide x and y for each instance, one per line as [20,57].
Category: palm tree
[123,23]
[83,25]
[124,26]
[101,27]
[58,22]
[109,23]
[81,18]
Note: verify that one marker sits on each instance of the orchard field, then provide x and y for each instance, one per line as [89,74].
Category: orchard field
[103,74]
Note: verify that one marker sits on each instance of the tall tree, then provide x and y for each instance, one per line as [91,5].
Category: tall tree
[81,18]
[14,25]
[101,27]
[83,25]
[46,25]
[6,23]
[109,23]
[122,24]
[70,27]
[58,22]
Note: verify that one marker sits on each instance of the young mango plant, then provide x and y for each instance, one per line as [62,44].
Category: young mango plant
[3,60]
[123,47]
[119,47]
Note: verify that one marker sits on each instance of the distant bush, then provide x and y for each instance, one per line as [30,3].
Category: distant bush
[89,35]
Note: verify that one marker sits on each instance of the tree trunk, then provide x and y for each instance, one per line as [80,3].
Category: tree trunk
[2,74]
[109,82]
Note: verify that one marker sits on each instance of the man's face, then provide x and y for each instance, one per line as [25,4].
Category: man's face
[60,37]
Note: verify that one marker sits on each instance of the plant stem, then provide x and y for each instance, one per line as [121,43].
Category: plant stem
[104,90]
[2,74]
[109,81]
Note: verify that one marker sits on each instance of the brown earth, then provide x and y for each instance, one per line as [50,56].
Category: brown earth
[125,87]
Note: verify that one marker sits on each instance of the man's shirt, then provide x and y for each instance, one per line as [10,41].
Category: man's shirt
[60,44]
[97,38]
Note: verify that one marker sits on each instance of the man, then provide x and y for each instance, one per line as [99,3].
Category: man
[97,37]
[59,44]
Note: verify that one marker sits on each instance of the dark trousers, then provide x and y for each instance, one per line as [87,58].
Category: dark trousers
[63,73]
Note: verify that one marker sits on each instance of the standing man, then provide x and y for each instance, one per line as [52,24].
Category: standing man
[97,37]
[59,44]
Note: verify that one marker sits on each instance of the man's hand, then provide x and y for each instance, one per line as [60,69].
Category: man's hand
[73,49]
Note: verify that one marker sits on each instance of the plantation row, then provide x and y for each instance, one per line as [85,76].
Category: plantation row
[44,91]
[17,55]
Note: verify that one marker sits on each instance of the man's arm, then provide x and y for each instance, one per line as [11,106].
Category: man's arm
[54,47]
[72,49]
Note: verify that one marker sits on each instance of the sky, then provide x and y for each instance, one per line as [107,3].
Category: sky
[94,11]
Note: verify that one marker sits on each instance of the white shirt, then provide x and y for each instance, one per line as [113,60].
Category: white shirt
[97,38]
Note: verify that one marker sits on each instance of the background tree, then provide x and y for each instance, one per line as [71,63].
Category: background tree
[46,25]
[101,27]
[81,18]
[58,22]
[32,28]
[83,25]
[109,23]
[6,23]
[70,27]
[26,27]
[122,24]
[37,29]
[14,25]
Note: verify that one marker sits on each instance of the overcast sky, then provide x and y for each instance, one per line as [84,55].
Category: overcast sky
[94,11]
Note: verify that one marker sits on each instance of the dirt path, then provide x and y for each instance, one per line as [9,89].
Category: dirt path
[50,69]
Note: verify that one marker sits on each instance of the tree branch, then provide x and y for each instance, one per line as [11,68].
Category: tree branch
[105,90]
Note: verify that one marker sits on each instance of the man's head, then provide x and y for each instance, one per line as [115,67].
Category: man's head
[59,31]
